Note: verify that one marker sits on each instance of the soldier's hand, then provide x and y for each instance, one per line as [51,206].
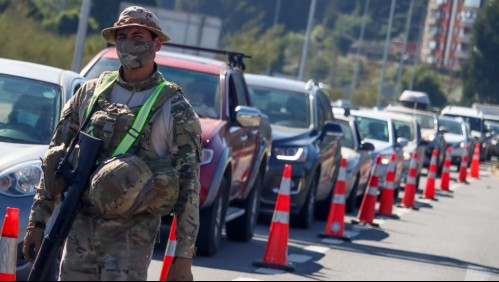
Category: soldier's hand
[180,270]
[32,241]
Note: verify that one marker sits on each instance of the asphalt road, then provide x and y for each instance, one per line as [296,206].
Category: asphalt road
[454,238]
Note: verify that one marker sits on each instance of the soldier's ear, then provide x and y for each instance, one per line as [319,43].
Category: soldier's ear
[157,44]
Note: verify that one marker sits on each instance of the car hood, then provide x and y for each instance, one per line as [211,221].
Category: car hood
[453,138]
[349,154]
[380,147]
[210,127]
[284,134]
[12,154]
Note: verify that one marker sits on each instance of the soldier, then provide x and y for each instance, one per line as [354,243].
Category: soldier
[149,164]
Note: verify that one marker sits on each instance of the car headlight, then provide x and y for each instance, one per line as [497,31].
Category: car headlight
[462,145]
[206,156]
[22,179]
[407,156]
[291,154]
[494,142]
[430,138]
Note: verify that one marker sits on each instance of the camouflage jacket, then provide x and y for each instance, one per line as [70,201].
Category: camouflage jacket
[185,157]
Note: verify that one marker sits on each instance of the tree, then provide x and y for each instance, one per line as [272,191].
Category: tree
[427,80]
[481,72]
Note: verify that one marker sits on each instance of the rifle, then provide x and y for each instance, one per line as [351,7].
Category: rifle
[78,179]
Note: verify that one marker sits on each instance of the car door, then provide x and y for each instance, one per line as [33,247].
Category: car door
[242,140]
[365,157]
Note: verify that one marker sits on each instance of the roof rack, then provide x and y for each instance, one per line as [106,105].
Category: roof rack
[235,59]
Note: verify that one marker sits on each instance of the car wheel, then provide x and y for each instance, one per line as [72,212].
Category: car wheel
[306,216]
[212,221]
[242,228]
[352,197]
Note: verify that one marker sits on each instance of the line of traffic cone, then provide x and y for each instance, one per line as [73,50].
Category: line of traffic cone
[276,251]
[170,250]
[335,226]
[388,192]
[429,192]
[8,245]
[463,174]
[368,206]
[445,181]
[410,184]
[475,164]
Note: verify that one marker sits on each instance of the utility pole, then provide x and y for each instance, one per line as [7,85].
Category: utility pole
[306,44]
[276,20]
[82,33]
[404,48]
[418,47]
[385,53]
[359,47]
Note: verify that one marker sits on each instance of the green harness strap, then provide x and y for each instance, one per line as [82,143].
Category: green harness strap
[140,120]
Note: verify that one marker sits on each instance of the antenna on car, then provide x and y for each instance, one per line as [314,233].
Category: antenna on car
[235,59]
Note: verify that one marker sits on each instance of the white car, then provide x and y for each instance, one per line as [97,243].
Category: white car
[31,100]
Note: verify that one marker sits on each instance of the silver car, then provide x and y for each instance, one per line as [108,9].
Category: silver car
[31,100]
[457,136]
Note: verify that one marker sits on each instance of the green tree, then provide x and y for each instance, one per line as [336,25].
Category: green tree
[428,81]
[481,71]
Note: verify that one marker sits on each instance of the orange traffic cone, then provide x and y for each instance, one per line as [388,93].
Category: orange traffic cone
[170,250]
[464,165]
[388,192]
[8,245]
[368,206]
[276,251]
[445,183]
[410,184]
[429,191]
[475,164]
[335,226]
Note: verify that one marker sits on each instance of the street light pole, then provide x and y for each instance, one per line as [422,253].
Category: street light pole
[418,48]
[359,47]
[404,48]
[276,20]
[82,33]
[306,44]
[385,53]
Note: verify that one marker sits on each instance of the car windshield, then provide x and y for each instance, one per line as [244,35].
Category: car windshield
[475,124]
[452,127]
[373,128]
[347,137]
[404,130]
[202,89]
[493,127]
[426,121]
[285,108]
[29,110]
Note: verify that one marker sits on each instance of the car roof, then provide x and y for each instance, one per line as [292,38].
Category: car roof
[462,111]
[399,117]
[33,70]
[451,119]
[415,96]
[277,83]
[405,110]
[370,114]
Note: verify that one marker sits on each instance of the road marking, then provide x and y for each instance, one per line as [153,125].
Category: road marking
[299,258]
[477,273]
[399,211]
[317,249]
[269,271]
[332,241]
[246,279]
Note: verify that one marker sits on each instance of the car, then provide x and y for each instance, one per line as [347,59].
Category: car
[457,136]
[31,100]
[491,122]
[415,100]
[430,132]
[358,156]
[494,131]
[476,122]
[236,139]
[305,136]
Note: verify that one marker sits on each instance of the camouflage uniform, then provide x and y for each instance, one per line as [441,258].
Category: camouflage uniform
[100,248]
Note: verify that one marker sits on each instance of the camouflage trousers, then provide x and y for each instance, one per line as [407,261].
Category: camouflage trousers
[109,250]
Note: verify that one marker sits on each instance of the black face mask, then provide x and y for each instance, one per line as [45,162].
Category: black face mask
[135,54]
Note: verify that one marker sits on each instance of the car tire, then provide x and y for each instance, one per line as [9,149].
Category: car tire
[305,218]
[242,228]
[212,221]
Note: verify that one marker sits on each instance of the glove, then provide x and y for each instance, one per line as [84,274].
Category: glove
[180,270]
[33,240]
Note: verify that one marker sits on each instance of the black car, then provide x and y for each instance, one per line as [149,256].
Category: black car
[304,136]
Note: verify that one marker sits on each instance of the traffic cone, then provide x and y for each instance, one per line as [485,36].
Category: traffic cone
[276,251]
[8,245]
[410,184]
[335,226]
[429,191]
[475,164]
[445,183]
[368,206]
[388,192]
[464,166]
[170,250]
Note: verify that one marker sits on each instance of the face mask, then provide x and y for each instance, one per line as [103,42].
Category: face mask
[28,118]
[135,54]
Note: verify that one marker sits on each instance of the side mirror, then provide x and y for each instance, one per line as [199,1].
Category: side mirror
[443,130]
[402,142]
[248,117]
[366,146]
[332,129]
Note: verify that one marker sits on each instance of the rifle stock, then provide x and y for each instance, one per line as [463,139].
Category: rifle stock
[89,151]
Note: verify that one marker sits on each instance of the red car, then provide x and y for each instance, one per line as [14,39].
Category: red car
[236,140]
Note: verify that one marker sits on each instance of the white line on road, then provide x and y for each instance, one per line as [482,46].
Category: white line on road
[332,241]
[317,249]
[299,258]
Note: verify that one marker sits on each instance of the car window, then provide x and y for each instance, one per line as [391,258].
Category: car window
[347,139]
[283,107]
[242,95]
[373,128]
[102,65]
[29,110]
[326,105]
[452,127]
[475,124]
[404,130]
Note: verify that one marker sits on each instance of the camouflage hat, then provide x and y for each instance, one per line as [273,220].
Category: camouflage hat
[135,16]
